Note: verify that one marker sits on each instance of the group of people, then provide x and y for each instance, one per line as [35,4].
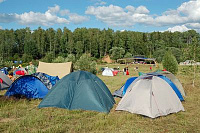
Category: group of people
[125,70]
[20,71]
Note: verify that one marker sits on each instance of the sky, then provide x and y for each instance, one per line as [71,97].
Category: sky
[131,15]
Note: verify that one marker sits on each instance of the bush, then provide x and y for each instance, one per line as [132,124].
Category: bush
[71,58]
[117,53]
[128,55]
[27,58]
[48,57]
[86,63]
[59,59]
[170,63]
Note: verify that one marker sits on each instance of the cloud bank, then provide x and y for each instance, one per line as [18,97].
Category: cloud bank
[50,17]
[186,16]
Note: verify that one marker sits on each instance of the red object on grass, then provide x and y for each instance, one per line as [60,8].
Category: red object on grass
[20,73]
[115,72]
[1,81]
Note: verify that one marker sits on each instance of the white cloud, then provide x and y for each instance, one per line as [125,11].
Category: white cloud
[7,18]
[117,16]
[181,28]
[100,2]
[1,27]
[2,1]
[50,17]
[188,12]
[193,25]
[74,17]
[45,19]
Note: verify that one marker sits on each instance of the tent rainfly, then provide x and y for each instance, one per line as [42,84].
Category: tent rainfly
[79,90]
[5,82]
[28,86]
[150,96]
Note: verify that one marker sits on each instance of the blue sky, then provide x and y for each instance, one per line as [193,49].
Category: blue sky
[133,15]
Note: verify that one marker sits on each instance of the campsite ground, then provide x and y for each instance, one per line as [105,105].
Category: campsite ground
[24,116]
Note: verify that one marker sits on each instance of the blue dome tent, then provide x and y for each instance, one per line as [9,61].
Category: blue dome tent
[28,86]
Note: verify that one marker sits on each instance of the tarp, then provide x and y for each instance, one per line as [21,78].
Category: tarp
[79,90]
[5,81]
[28,86]
[48,81]
[55,69]
[150,96]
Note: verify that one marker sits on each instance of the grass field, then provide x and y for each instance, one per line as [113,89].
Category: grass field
[22,115]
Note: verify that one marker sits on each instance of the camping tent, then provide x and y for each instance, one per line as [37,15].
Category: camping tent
[47,80]
[4,70]
[173,86]
[108,72]
[79,90]
[122,90]
[28,86]
[150,96]
[55,69]
[5,82]
[171,76]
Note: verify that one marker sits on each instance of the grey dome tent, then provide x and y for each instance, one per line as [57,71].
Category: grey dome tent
[174,80]
[79,90]
[150,96]
[5,81]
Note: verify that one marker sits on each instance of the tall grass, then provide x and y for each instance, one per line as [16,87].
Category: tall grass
[22,115]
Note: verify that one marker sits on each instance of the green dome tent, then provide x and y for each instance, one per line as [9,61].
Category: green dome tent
[79,90]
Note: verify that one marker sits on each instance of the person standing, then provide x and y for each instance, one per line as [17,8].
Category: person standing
[31,68]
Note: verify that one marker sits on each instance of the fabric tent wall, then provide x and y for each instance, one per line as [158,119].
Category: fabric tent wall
[28,86]
[172,84]
[55,69]
[152,97]
[107,72]
[6,82]
[79,90]
[48,81]
[174,80]
[122,90]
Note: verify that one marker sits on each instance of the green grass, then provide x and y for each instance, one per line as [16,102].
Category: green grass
[21,115]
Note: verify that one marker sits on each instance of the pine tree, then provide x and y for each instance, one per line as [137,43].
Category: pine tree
[170,63]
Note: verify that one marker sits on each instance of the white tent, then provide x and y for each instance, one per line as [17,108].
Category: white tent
[150,96]
[107,72]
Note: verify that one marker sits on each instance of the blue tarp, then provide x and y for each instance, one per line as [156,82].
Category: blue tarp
[122,90]
[28,86]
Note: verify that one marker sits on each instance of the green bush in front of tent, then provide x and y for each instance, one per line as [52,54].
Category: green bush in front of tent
[170,63]
[86,63]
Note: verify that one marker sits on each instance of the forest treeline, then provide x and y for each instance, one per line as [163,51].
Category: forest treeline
[24,44]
